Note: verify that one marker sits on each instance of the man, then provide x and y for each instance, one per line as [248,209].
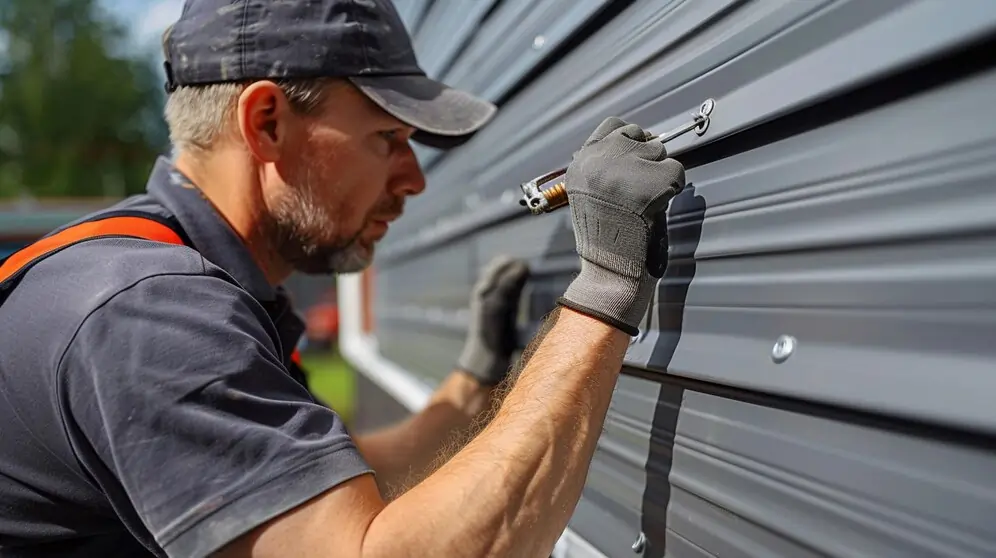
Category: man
[150,405]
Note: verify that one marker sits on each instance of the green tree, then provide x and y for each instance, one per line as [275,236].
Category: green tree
[76,117]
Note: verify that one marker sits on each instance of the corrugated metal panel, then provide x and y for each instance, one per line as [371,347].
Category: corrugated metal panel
[868,240]
[841,195]
[748,480]
[516,38]
[448,25]
[499,42]
[412,12]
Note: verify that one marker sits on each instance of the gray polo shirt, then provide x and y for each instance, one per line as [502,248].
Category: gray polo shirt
[146,406]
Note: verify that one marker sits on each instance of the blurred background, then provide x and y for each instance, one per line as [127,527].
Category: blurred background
[81,98]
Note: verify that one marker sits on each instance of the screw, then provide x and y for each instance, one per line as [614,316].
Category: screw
[706,107]
[641,541]
[539,41]
[784,347]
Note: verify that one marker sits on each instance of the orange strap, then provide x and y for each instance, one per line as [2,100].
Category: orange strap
[138,227]
[112,226]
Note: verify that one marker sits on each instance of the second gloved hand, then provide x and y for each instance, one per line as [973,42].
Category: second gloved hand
[619,185]
[491,337]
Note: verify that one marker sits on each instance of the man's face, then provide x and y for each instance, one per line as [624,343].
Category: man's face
[344,175]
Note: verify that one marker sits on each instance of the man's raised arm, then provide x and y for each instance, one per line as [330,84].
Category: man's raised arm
[404,453]
[512,489]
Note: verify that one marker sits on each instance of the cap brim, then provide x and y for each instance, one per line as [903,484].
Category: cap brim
[443,116]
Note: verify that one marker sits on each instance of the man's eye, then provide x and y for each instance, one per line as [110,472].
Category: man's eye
[389,135]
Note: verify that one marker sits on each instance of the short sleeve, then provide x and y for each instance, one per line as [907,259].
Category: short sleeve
[175,399]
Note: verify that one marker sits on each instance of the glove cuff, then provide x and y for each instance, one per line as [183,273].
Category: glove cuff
[607,296]
[626,328]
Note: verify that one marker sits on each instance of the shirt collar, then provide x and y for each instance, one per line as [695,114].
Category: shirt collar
[210,233]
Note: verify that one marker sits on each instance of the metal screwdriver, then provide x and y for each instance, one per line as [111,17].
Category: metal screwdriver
[545,200]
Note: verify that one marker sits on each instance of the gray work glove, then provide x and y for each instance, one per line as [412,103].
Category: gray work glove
[618,187]
[491,337]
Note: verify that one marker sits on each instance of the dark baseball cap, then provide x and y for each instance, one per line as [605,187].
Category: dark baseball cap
[363,41]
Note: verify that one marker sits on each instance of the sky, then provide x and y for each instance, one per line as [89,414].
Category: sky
[146,18]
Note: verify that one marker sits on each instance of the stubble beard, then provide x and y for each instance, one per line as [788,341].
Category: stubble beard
[300,227]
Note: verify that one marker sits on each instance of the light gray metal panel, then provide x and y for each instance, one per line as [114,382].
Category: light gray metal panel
[445,30]
[760,482]
[516,38]
[873,242]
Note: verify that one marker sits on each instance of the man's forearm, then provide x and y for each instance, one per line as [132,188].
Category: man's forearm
[404,453]
[512,489]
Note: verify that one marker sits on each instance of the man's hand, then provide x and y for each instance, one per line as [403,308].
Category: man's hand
[619,186]
[494,303]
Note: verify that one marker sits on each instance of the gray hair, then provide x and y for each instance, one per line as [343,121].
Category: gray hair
[197,115]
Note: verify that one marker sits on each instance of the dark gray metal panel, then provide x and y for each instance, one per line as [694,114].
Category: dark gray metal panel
[448,25]
[374,407]
[438,279]
[868,235]
[872,242]
[754,481]
[530,134]
[614,490]
[428,352]
[412,12]
[760,60]
[517,36]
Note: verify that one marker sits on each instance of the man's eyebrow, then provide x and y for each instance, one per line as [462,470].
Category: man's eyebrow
[386,120]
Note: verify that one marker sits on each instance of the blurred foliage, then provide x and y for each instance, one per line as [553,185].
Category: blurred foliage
[79,115]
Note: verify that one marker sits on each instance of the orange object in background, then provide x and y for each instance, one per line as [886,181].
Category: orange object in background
[322,324]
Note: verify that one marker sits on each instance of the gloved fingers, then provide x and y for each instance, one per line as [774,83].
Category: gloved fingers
[513,276]
[489,273]
[607,126]
[644,149]
[671,174]
[619,137]
[492,275]
[633,132]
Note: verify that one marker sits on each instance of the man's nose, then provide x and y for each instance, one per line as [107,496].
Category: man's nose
[409,179]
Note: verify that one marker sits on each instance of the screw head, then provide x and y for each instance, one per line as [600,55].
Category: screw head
[641,541]
[784,347]
[706,107]
[539,41]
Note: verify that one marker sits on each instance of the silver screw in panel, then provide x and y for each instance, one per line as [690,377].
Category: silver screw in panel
[641,541]
[705,110]
[539,41]
[784,347]
[707,106]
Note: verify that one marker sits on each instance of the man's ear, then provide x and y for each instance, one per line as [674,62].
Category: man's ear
[263,114]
